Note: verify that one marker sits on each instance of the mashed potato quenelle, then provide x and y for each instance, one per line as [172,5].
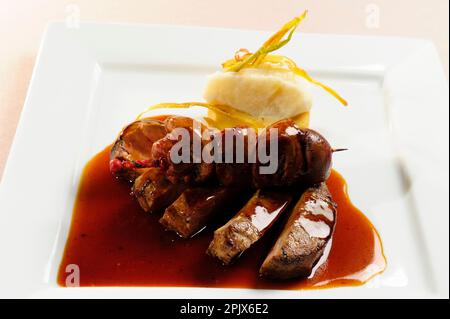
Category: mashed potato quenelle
[268,93]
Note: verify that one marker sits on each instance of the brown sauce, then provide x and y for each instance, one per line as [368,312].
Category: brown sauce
[114,243]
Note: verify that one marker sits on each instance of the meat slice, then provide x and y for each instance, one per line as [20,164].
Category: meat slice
[154,192]
[304,237]
[248,225]
[195,208]
[132,149]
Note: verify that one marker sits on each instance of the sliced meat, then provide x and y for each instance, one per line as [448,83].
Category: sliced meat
[132,149]
[154,191]
[195,208]
[304,237]
[190,169]
[248,225]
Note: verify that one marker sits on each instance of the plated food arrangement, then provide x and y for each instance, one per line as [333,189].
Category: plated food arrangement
[244,197]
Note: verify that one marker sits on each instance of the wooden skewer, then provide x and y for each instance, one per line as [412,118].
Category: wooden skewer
[339,150]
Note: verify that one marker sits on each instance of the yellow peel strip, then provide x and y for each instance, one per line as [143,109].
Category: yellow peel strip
[275,42]
[240,116]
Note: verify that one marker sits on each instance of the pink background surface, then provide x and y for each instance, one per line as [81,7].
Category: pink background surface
[22,24]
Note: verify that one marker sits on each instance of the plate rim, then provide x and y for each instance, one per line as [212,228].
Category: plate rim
[418,44]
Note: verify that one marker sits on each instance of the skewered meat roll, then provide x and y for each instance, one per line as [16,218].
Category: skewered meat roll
[131,152]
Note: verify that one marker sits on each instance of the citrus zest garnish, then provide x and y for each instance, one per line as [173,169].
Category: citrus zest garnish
[244,59]
[240,116]
[280,59]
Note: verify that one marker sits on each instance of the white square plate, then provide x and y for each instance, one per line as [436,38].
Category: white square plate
[89,82]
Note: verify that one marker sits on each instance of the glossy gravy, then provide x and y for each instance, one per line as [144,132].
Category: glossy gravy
[114,243]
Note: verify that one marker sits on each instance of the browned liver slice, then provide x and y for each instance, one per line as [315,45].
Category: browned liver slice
[195,208]
[154,192]
[248,225]
[304,237]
